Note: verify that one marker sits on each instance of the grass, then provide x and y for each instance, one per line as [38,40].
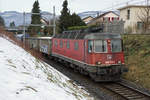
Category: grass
[137,56]
[52,77]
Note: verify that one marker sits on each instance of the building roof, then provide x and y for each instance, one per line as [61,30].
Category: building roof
[106,14]
[129,6]
[40,38]
[79,34]
[87,17]
[103,15]
[44,21]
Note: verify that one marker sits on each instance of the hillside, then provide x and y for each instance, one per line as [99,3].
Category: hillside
[23,77]
[17,17]
[137,53]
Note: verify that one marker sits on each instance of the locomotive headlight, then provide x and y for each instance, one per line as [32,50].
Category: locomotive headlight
[99,63]
[119,62]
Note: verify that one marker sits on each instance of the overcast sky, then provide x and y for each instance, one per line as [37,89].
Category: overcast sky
[47,5]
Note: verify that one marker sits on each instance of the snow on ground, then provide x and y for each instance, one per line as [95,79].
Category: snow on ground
[23,77]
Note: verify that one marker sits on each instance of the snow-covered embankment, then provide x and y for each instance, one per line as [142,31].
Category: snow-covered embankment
[23,77]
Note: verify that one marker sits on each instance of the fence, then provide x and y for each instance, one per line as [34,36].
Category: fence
[11,37]
[115,26]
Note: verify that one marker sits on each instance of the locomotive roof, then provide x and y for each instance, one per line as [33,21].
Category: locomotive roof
[40,37]
[85,35]
[45,37]
[102,36]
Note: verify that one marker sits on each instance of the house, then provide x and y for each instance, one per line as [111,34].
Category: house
[44,21]
[87,19]
[133,15]
[105,16]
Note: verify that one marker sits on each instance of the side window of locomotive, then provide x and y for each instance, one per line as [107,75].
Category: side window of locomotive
[68,44]
[90,46]
[100,46]
[76,46]
[116,45]
[56,43]
[61,43]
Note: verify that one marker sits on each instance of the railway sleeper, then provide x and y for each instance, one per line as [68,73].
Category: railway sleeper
[129,95]
[119,89]
[134,97]
[125,92]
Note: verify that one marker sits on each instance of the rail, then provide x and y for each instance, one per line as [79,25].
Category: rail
[126,92]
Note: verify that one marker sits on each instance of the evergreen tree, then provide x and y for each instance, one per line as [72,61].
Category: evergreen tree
[2,23]
[35,19]
[67,20]
[64,19]
[76,20]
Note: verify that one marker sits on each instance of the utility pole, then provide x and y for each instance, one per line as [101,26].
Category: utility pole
[24,28]
[147,2]
[127,3]
[54,22]
[112,6]
[0,5]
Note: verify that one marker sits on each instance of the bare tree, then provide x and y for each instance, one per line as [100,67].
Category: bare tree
[144,17]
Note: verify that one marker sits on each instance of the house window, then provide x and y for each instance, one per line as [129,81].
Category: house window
[76,45]
[109,18]
[140,25]
[112,18]
[61,43]
[68,44]
[128,14]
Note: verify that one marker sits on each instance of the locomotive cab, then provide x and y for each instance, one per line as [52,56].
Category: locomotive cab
[109,49]
[105,52]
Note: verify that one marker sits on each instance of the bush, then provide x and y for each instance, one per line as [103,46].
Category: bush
[137,54]
[77,27]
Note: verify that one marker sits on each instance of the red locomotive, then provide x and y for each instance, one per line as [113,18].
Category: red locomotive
[97,54]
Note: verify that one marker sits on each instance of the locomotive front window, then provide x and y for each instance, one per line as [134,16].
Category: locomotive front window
[100,46]
[90,46]
[116,45]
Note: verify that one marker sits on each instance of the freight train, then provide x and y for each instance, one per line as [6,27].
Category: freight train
[99,55]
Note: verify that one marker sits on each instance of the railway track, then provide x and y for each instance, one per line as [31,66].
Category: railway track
[126,92]
[107,91]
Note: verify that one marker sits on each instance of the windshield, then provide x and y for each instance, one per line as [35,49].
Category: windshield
[90,46]
[116,45]
[100,46]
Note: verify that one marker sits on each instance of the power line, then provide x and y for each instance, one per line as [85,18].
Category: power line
[130,2]
[0,5]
